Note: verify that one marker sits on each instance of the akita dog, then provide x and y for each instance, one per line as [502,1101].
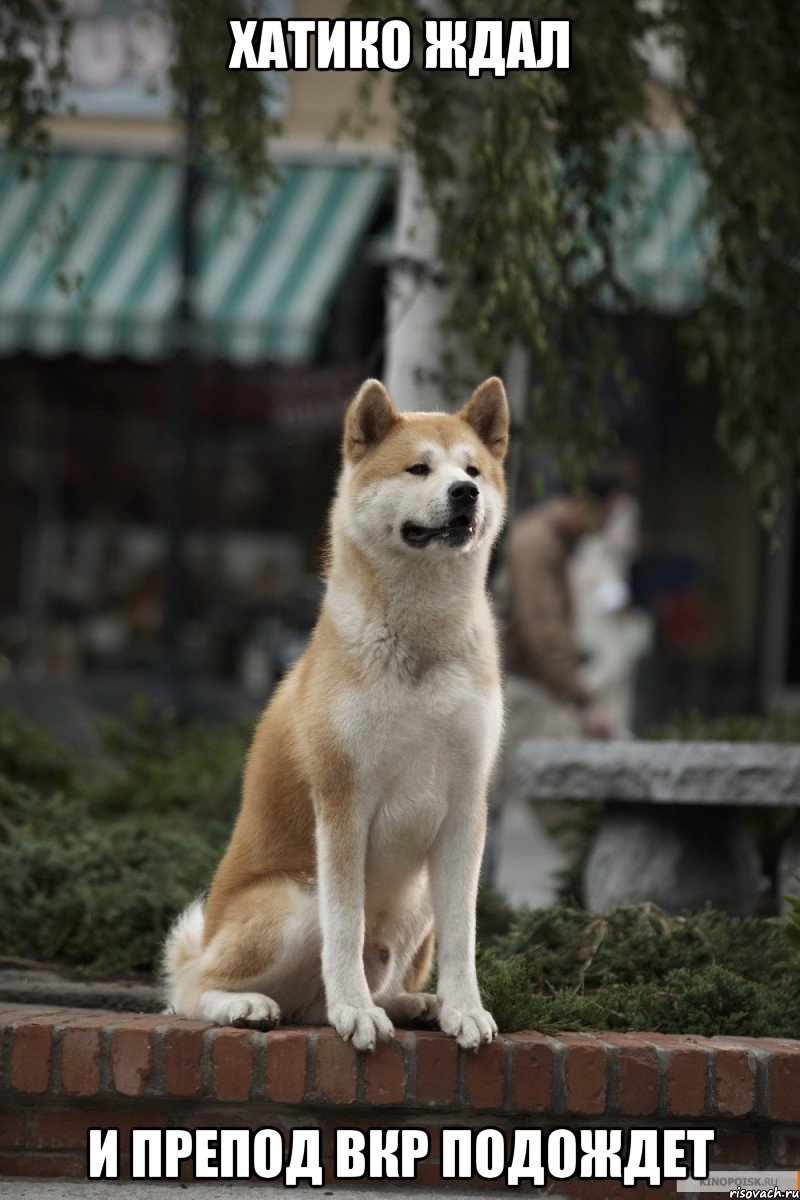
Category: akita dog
[363,814]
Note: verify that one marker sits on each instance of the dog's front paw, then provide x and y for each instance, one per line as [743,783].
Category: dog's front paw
[469,1026]
[250,1009]
[413,1006]
[361,1026]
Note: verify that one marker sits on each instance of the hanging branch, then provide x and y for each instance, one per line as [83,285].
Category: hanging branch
[519,170]
[742,81]
[34,35]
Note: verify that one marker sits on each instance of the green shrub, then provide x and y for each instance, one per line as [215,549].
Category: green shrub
[95,863]
[710,1002]
[792,922]
[30,756]
[160,765]
[637,968]
[100,894]
[567,947]
[692,725]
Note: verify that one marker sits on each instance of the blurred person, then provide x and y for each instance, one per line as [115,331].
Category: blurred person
[611,634]
[547,695]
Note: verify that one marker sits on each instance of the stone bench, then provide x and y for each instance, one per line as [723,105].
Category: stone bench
[672,832]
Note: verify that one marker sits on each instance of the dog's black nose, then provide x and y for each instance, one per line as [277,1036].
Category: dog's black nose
[462,494]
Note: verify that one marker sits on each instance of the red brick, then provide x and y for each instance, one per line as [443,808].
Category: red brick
[182,1049]
[785,1148]
[532,1062]
[67,1128]
[85,1018]
[637,1073]
[687,1072]
[483,1075]
[12,1013]
[428,1175]
[437,1061]
[784,1085]
[734,1148]
[131,1058]
[734,1083]
[81,1049]
[724,1042]
[337,1066]
[51,1166]
[613,1189]
[385,1073]
[376,1119]
[232,1063]
[221,1117]
[80,1061]
[12,1128]
[31,1054]
[286,1065]
[585,1074]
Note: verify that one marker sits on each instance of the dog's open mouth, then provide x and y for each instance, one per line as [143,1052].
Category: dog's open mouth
[456,532]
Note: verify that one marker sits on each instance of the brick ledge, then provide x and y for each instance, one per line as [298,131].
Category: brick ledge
[81,1053]
[63,1069]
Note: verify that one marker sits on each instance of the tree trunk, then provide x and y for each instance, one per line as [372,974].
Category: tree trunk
[417,300]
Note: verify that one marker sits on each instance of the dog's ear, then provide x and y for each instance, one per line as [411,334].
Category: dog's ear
[487,412]
[369,418]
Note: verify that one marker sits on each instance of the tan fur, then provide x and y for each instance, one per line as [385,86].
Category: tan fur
[301,782]
[417,974]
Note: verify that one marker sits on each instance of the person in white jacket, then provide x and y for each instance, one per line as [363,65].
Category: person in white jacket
[610,634]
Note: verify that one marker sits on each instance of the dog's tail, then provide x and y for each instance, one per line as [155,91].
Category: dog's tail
[182,950]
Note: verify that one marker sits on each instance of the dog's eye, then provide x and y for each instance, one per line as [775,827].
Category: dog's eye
[472,471]
[419,469]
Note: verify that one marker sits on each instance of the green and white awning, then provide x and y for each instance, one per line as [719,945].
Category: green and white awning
[663,246]
[88,257]
[88,252]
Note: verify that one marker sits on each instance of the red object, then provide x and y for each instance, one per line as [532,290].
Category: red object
[684,621]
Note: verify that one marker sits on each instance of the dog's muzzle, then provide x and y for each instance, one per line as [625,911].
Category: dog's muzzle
[462,498]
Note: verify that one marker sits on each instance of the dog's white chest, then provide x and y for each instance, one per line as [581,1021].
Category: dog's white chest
[392,731]
[415,751]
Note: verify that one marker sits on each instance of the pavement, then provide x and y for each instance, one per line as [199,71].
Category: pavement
[27,982]
[527,860]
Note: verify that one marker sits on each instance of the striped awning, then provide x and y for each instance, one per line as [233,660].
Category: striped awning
[89,257]
[663,246]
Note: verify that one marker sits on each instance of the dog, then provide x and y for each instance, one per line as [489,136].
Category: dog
[363,812]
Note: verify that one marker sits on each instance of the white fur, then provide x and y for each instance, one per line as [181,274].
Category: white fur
[238,1008]
[184,943]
